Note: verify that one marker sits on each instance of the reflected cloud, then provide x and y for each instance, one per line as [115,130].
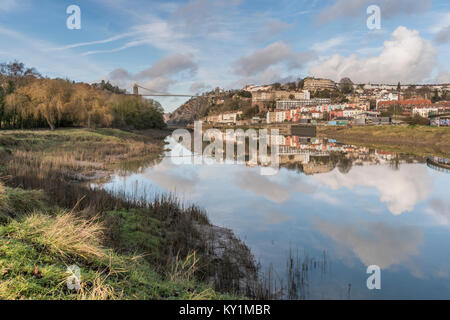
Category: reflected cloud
[375,243]
[269,188]
[401,190]
[165,177]
[272,215]
[440,209]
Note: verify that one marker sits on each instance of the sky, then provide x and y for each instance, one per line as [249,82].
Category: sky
[188,47]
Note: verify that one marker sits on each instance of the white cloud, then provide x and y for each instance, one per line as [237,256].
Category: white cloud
[261,60]
[91,43]
[272,28]
[34,52]
[406,57]
[443,36]
[198,87]
[158,33]
[442,20]
[159,84]
[200,16]
[169,65]
[442,77]
[157,77]
[270,75]
[328,44]
[389,8]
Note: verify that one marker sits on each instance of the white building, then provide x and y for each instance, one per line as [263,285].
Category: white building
[351,113]
[424,112]
[280,116]
[387,97]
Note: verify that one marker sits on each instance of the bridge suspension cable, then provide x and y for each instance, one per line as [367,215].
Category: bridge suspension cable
[154,93]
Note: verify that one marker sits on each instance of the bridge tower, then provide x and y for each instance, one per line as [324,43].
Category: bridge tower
[136,89]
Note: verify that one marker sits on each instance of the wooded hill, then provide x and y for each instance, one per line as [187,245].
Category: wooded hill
[212,103]
[28,100]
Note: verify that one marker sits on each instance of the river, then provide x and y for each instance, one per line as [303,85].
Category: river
[317,224]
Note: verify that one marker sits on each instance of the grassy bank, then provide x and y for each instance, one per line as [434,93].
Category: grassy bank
[126,249]
[416,140]
[37,246]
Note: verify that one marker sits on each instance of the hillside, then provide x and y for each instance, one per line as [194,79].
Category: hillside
[212,103]
[219,101]
[30,101]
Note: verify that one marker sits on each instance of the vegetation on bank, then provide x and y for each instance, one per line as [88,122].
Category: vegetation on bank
[37,246]
[412,139]
[27,100]
[126,249]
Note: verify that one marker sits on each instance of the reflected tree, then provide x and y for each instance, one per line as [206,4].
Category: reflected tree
[345,165]
[394,164]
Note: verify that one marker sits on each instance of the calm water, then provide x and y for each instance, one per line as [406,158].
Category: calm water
[335,207]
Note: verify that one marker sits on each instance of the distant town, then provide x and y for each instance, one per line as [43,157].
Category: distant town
[323,101]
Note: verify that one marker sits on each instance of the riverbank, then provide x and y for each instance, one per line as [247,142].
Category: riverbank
[125,249]
[415,140]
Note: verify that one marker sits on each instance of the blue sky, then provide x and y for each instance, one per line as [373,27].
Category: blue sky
[191,46]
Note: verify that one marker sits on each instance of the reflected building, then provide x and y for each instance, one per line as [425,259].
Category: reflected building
[439,164]
[321,155]
[309,155]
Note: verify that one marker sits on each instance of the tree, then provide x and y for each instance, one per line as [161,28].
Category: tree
[245,94]
[393,111]
[2,105]
[419,120]
[344,99]
[17,70]
[276,86]
[251,112]
[346,85]
[292,86]
[138,113]
[436,96]
[345,165]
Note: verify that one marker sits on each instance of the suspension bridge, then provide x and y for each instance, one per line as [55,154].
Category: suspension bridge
[153,93]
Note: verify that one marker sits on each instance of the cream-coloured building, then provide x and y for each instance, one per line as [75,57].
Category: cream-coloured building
[351,113]
[313,84]
[424,112]
[266,96]
[228,117]
[294,104]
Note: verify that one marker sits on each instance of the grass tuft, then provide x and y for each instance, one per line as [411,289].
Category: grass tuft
[64,235]
[183,269]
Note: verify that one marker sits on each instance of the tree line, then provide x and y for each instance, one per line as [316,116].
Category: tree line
[28,100]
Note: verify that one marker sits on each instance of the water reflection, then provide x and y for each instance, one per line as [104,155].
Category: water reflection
[359,205]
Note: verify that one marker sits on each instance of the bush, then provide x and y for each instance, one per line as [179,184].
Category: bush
[138,113]
[418,120]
